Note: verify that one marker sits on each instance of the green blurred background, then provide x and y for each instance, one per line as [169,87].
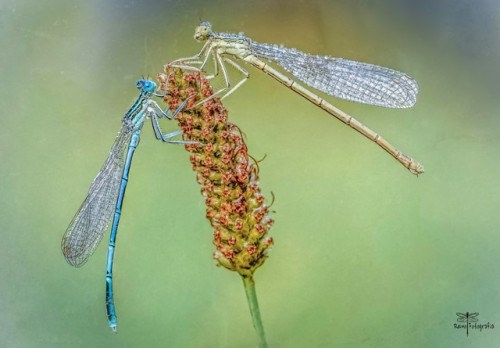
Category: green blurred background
[366,254]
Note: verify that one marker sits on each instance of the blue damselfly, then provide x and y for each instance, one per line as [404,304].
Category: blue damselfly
[107,191]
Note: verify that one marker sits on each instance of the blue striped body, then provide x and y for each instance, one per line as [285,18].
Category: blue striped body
[106,193]
[139,109]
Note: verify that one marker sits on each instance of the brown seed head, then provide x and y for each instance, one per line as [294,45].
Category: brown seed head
[227,174]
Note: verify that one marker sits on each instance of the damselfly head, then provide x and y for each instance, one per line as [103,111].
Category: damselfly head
[203,31]
[146,85]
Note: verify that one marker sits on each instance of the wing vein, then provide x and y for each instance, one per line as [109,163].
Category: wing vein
[343,78]
[92,219]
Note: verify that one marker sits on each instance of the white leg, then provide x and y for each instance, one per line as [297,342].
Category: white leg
[218,61]
[195,57]
[183,63]
[165,137]
[157,130]
[240,69]
[187,65]
[166,113]
[226,79]
[216,68]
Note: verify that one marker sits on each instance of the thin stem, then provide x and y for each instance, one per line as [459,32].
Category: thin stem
[253,304]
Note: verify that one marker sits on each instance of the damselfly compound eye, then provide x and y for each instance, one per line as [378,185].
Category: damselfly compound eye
[149,86]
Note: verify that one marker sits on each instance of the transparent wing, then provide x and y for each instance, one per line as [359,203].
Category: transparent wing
[87,227]
[342,78]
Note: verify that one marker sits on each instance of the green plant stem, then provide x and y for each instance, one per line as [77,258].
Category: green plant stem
[253,304]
